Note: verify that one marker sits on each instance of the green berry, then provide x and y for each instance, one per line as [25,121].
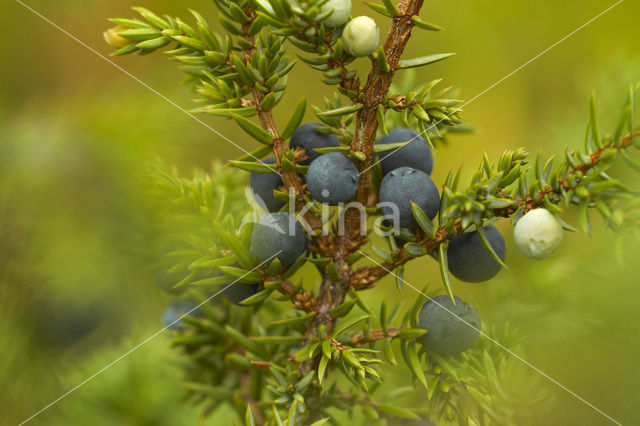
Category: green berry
[341,9]
[361,36]
[538,233]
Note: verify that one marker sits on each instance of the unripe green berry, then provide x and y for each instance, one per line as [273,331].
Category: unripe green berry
[341,11]
[538,233]
[582,192]
[111,36]
[361,36]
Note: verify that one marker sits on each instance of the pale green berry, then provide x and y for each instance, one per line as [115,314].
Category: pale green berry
[538,233]
[341,11]
[361,36]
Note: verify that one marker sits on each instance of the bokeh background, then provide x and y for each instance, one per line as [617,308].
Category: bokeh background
[76,135]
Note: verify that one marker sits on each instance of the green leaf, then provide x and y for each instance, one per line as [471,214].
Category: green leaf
[388,352]
[342,149]
[385,147]
[415,249]
[487,245]
[257,298]
[305,381]
[322,366]
[212,263]
[411,333]
[295,320]
[391,7]
[343,309]
[269,101]
[293,413]
[321,421]
[383,65]
[350,324]
[276,416]
[222,280]
[379,8]
[333,271]
[242,340]
[140,34]
[249,420]
[253,166]
[585,223]
[291,270]
[243,275]
[193,43]
[425,25]
[327,348]
[424,60]
[227,112]
[595,131]
[253,130]
[443,261]
[296,118]
[345,110]
[241,252]
[423,220]
[382,123]
[398,411]
[153,44]
[410,353]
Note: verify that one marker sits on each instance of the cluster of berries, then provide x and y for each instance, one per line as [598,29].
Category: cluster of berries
[360,35]
[332,179]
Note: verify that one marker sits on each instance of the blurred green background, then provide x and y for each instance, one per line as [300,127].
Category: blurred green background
[76,134]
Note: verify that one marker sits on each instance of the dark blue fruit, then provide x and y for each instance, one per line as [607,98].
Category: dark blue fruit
[468,259]
[237,292]
[403,186]
[416,154]
[332,178]
[451,329]
[309,138]
[175,310]
[278,235]
[263,185]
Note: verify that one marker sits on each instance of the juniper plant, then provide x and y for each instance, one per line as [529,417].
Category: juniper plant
[291,352]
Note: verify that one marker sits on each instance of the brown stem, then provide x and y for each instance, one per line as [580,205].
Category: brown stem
[332,293]
[303,300]
[376,88]
[361,339]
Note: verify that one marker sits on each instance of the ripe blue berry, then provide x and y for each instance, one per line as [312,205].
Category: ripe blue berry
[176,309]
[468,259]
[403,186]
[416,154]
[340,15]
[451,329]
[263,185]
[332,178]
[237,292]
[309,138]
[361,36]
[278,235]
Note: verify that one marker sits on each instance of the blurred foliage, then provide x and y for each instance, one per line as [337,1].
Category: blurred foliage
[76,136]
